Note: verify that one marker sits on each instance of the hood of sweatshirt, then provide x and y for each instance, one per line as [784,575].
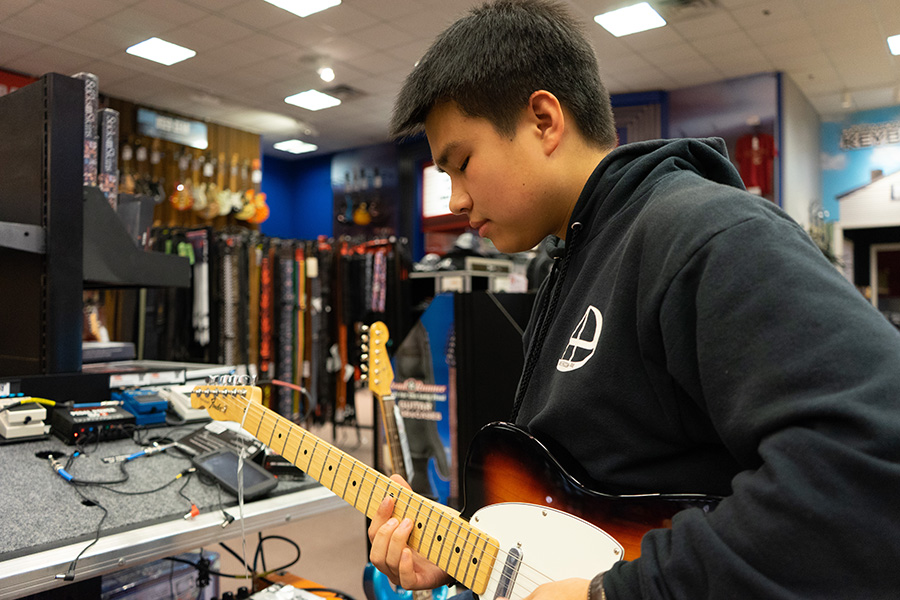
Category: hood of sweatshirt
[629,171]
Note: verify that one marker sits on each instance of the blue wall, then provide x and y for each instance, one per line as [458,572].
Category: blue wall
[299,197]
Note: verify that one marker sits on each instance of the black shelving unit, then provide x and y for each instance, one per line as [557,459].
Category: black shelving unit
[57,237]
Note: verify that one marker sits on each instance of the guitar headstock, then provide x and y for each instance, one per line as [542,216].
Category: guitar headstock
[224,398]
[377,369]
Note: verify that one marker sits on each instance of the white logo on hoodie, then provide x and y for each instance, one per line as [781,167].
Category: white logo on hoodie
[583,341]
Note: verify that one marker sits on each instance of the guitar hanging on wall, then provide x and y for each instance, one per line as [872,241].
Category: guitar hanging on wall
[535,526]
[380,376]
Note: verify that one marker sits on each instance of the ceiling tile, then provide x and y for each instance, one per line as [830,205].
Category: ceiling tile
[699,27]
[425,24]
[44,21]
[777,31]
[382,36]
[141,22]
[675,54]
[389,11]
[222,28]
[89,9]
[101,40]
[48,60]
[733,41]
[108,72]
[12,46]
[343,48]
[266,45]
[765,14]
[342,19]
[173,11]
[11,7]
[258,15]
[301,32]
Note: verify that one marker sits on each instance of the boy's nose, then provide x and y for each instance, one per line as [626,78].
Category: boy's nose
[460,203]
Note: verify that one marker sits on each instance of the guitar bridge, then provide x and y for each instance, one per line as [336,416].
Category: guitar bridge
[509,573]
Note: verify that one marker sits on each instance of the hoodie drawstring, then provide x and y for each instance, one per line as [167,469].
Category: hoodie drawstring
[547,310]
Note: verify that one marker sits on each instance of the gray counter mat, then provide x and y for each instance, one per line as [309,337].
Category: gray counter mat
[40,510]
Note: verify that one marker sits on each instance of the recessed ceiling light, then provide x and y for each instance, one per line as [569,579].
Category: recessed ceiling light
[631,19]
[161,51]
[295,146]
[326,73]
[304,8]
[312,100]
[894,44]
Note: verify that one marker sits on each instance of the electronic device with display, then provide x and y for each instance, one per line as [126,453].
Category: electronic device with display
[222,466]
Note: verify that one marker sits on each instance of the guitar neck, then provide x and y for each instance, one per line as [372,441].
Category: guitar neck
[446,540]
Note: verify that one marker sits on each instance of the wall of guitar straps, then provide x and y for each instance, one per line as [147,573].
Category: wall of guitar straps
[288,310]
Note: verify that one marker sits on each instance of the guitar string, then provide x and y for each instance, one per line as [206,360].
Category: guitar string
[400,491]
[377,479]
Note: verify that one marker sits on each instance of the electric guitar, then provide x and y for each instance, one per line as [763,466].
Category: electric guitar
[537,524]
[380,375]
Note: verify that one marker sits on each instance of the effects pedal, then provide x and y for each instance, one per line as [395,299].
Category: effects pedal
[95,423]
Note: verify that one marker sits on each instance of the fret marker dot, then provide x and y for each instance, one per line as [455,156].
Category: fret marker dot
[354,484]
[439,538]
[329,467]
[305,452]
[420,526]
[474,561]
[457,550]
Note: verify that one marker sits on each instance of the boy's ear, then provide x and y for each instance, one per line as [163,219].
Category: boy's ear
[548,117]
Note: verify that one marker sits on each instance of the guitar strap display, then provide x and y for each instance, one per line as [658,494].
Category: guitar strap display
[229,293]
[300,320]
[266,317]
[254,253]
[242,299]
[284,355]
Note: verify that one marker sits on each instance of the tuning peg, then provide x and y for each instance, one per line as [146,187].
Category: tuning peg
[364,328]
[364,355]
[365,338]
[364,347]
[364,368]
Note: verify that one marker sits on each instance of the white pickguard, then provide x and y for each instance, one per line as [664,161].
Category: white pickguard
[554,545]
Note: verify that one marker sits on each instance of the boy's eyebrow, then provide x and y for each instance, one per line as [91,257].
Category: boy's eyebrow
[442,160]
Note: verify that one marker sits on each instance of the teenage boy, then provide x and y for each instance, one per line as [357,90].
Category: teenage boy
[690,336]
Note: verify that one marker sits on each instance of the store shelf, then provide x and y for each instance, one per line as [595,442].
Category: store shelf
[113,259]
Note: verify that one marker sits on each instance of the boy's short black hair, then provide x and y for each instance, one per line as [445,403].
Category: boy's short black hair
[490,62]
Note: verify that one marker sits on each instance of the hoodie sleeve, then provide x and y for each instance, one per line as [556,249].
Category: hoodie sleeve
[800,376]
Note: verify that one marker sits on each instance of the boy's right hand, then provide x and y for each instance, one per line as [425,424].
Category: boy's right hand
[392,556]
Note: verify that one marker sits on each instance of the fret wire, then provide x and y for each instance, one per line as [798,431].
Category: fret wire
[273,434]
[324,463]
[431,545]
[337,469]
[462,555]
[256,435]
[286,440]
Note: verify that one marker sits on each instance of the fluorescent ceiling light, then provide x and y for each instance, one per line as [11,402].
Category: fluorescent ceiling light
[312,100]
[631,19]
[295,146]
[161,51]
[894,44]
[304,8]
